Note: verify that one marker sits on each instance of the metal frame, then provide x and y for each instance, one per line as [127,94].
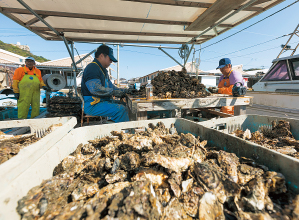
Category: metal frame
[296,31]
[186,52]
[222,20]
[170,56]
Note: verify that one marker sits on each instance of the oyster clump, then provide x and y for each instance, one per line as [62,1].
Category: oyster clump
[158,174]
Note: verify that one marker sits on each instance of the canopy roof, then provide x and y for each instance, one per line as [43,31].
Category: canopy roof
[133,21]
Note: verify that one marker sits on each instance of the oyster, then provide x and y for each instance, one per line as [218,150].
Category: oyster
[175,164]
[137,200]
[157,178]
[210,208]
[85,191]
[257,195]
[130,161]
[209,178]
[186,185]
[175,210]
[191,203]
[174,181]
[229,163]
[119,176]
[247,173]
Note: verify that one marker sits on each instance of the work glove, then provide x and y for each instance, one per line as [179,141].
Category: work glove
[17,96]
[118,93]
[15,86]
[42,84]
[213,89]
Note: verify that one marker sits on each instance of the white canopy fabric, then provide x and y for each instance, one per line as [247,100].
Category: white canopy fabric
[132,21]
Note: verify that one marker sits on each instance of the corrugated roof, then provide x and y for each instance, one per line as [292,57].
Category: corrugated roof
[132,21]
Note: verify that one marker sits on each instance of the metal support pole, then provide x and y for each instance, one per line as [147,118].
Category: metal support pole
[118,65]
[215,30]
[71,52]
[170,56]
[222,20]
[87,55]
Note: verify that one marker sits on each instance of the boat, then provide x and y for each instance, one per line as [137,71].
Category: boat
[277,92]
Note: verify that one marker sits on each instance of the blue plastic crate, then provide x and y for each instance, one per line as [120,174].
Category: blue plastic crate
[7,114]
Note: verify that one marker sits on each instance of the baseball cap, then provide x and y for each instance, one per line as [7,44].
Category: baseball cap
[223,62]
[30,58]
[106,50]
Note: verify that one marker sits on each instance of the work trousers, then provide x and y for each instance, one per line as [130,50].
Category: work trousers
[117,112]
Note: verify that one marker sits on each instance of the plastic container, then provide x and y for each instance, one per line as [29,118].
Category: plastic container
[149,90]
[43,167]
[7,113]
[16,173]
[219,136]
[251,122]
[137,86]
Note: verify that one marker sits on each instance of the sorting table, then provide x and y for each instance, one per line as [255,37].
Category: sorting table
[140,106]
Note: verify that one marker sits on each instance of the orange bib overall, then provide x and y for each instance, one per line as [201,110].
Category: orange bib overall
[226,88]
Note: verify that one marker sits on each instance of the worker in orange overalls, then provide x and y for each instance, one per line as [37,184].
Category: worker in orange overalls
[26,85]
[227,80]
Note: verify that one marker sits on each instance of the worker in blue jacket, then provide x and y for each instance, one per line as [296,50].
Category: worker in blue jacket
[97,89]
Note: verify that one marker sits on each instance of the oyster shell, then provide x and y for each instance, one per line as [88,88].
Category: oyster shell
[210,208]
[175,210]
[177,165]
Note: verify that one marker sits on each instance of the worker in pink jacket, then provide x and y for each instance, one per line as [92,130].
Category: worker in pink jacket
[227,80]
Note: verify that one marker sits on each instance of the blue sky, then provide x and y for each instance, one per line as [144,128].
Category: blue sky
[136,62]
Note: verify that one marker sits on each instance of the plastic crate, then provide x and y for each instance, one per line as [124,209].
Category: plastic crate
[6,114]
[43,167]
[11,171]
[251,122]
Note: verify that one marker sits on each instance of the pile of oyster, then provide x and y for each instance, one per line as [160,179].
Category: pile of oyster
[158,174]
[59,106]
[173,84]
[10,145]
[278,137]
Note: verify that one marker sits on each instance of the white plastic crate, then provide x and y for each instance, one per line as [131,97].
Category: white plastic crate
[11,171]
[251,122]
[43,168]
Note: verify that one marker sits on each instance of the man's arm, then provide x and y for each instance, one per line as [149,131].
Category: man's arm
[95,88]
[16,79]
